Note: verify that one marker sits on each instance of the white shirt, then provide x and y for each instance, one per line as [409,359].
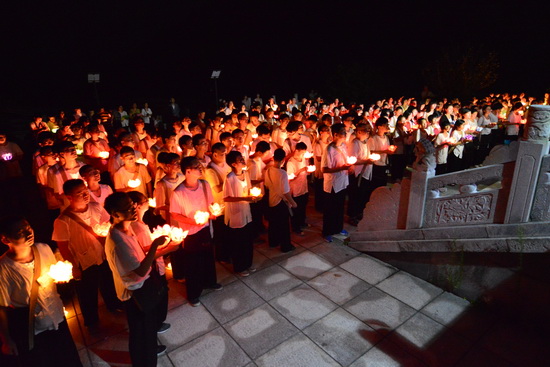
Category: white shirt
[442,153]
[15,289]
[335,157]
[146,114]
[276,180]
[122,176]
[163,192]
[256,169]
[459,148]
[124,255]
[237,214]
[187,202]
[298,186]
[216,175]
[143,235]
[379,143]
[84,247]
[514,118]
[360,150]
[105,190]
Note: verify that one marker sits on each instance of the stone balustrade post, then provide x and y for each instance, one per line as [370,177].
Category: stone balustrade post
[417,199]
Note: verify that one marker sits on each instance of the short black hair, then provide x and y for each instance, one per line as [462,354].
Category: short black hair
[279,155]
[125,150]
[301,146]
[232,156]
[197,139]
[225,135]
[293,126]
[262,147]
[9,226]
[70,185]
[218,147]
[112,202]
[188,162]
[162,157]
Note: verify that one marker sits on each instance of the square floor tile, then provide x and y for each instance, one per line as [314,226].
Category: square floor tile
[430,341]
[211,350]
[409,289]
[112,350]
[297,351]
[187,323]
[306,265]
[275,254]
[259,330]
[271,282]
[224,274]
[379,310]
[340,335]
[177,294]
[387,354]
[369,269]
[231,302]
[312,237]
[338,285]
[164,361]
[446,308]
[335,253]
[480,357]
[260,261]
[303,306]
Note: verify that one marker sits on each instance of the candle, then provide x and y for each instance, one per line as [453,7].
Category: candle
[374,156]
[216,209]
[142,161]
[152,202]
[169,266]
[7,156]
[79,151]
[134,183]
[222,126]
[308,155]
[102,229]
[254,136]
[61,272]
[292,176]
[175,234]
[255,191]
[201,217]
[245,168]
[392,148]
[310,169]
[352,160]
[103,155]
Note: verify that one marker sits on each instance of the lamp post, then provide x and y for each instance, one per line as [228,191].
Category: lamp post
[216,75]
[93,78]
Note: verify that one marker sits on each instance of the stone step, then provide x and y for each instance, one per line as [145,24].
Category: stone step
[515,244]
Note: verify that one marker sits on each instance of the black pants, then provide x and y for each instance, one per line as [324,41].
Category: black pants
[162,308]
[51,348]
[94,278]
[258,211]
[279,226]
[319,193]
[441,169]
[358,191]
[199,263]
[298,220]
[143,328]
[221,247]
[398,165]
[333,212]
[240,244]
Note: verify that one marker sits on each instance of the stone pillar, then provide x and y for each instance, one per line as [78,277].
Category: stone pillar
[417,199]
[532,148]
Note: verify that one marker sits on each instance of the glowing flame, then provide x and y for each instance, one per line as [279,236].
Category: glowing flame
[255,191]
[175,234]
[7,156]
[254,136]
[169,266]
[352,160]
[152,202]
[142,161]
[54,130]
[65,312]
[392,148]
[222,126]
[216,209]
[134,183]
[102,229]
[310,169]
[374,156]
[292,176]
[61,272]
[201,217]
[79,151]
[308,155]
[245,168]
[103,155]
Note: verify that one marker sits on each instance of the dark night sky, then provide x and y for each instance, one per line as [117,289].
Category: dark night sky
[153,50]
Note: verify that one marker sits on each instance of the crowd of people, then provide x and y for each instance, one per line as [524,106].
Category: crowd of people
[110,179]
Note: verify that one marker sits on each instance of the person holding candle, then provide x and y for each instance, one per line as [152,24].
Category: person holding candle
[98,191]
[96,148]
[456,153]
[318,148]
[135,273]
[514,122]
[297,167]
[195,259]
[52,344]
[68,168]
[442,144]
[238,217]
[335,172]
[143,235]
[201,147]
[256,167]
[379,143]
[280,203]
[215,174]
[238,137]
[131,175]
[358,188]
[79,245]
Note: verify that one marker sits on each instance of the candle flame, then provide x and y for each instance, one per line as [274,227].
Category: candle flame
[175,234]
[308,155]
[392,148]
[103,155]
[142,161]
[311,168]
[134,183]
[216,209]
[102,229]
[292,176]
[79,151]
[7,156]
[255,191]
[352,160]
[374,156]
[201,217]
[61,272]
[152,202]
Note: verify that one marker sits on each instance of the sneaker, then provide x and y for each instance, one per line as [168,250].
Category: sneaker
[195,302]
[244,273]
[344,233]
[291,248]
[163,328]
[328,238]
[161,349]
[299,233]
[252,270]
[216,287]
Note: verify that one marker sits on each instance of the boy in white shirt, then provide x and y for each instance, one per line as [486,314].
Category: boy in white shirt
[98,192]
[166,186]
[280,200]
[132,176]
[256,167]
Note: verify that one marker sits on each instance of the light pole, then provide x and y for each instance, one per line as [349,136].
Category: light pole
[216,76]
[93,78]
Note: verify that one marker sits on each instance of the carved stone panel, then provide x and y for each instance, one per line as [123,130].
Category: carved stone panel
[538,124]
[381,212]
[541,203]
[461,210]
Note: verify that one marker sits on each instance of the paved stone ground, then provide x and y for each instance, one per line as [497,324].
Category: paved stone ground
[324,304]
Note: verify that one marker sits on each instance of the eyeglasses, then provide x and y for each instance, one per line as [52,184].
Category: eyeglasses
[71,150]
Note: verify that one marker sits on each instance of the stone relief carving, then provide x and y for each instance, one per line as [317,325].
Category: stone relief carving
[541,203]
[381,212]
[463,210]
[467,177]
[538,123]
